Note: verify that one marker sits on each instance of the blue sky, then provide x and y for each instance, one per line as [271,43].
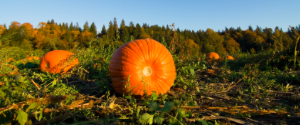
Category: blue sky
[185,14]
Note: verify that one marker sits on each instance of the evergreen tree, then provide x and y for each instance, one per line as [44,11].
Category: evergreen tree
[77,26]
[239,30]
[145,26]
[66,26]
[250,28]
[124,35]
[258,30]
[168,28]
[269,34]
[163,28]
[52,21]
[103,31]
[226,29]
[93,29]
[178,31]
[167,34]
[138,30]
[122,23]
[62,27]
[162,31]
[115,25]
[86,26]
[131,28]
[276,28]
[71,27]
[111,31]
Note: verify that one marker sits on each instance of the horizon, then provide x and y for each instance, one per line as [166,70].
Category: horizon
[196,15]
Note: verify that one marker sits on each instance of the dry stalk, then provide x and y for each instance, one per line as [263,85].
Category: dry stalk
[174,40]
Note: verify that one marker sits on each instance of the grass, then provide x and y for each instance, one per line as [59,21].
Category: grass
[257,88]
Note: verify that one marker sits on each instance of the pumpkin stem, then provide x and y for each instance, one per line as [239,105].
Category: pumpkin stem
[147,71]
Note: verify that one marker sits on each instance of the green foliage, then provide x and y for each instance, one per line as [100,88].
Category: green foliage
[146,119]
[22,117]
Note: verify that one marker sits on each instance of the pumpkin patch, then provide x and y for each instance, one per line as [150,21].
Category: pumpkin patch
[58,61]
[147,64]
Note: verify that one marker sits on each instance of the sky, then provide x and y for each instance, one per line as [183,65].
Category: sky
[185,14]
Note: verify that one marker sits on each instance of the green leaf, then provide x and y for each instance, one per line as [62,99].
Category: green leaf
[192,103]
[203,122]
[23,85]
[173,121]
[153,106]
[181,113]
[35,115]
[168,106]
[22,117]
[32,106]
[18,77]
[19,89]
[53,83]
[158,120]
[216,123]
[4,87]
[41,115]
[192,71]
[69,99]
[138,112]
[154,96]
[2,94]
[146,119]
[128,97]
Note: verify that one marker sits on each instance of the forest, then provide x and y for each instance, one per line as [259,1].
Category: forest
[50,36]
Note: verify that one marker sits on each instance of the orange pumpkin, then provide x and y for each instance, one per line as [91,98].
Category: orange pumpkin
[10,60]
[213,55]
[58,61]
[230,58]
[146,61]
[33,58]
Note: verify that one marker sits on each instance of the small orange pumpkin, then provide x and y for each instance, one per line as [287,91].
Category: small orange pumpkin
[230,58]
[33,58]
[58,61]
[146,61]
[213,55]
[10,60]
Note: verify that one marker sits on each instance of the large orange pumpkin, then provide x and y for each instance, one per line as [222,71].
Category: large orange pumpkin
[230,58]
[213,55]
[58,61]
[146,61]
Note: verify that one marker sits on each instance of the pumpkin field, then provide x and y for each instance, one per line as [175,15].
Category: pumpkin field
[148,81]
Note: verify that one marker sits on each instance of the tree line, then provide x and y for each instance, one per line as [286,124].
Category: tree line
[50,35]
